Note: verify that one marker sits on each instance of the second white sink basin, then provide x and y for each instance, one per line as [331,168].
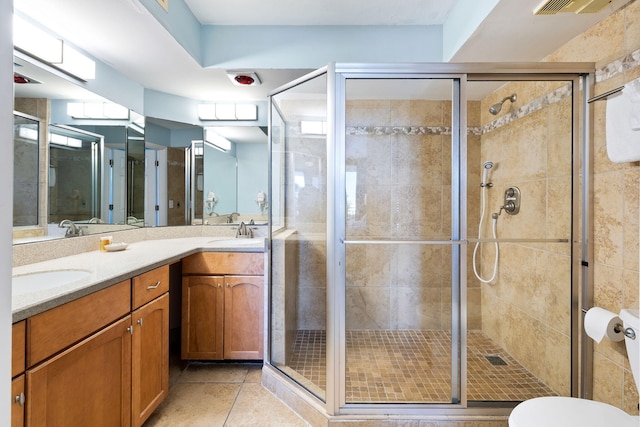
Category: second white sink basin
[236,242]
[45,280]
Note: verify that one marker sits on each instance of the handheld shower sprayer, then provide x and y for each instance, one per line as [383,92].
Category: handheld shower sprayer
[494,220]
[495,108]
[485,174]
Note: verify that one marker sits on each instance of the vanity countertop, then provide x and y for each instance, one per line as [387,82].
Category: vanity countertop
[103,269]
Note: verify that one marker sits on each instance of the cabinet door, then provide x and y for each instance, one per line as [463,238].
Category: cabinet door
[202,317]
[17,404]
[87,385]
[243,317]
[18,337]
[150,358]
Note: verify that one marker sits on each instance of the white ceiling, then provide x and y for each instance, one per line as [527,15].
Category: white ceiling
[325,12]
[126,36]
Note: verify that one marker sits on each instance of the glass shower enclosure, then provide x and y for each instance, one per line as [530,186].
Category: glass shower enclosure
[403,280]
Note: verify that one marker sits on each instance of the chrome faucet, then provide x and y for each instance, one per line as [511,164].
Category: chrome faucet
[72,229]
[244,231]
[231,218]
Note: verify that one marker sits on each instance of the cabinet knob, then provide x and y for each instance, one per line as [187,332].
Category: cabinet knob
[130,330]
[153,286]
[228,286]
[20,399]
[139,322]
[219,285]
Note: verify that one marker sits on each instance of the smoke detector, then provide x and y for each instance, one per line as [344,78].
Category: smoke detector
[552,7]
[244,78]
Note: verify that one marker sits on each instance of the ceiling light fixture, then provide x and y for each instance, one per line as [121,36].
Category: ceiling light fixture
[97,110]
[228,112]
[39,44]
[243,78]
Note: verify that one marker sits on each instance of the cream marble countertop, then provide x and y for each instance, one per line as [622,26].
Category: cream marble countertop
[107,268]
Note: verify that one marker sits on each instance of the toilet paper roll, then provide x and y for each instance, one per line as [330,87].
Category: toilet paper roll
[600,323]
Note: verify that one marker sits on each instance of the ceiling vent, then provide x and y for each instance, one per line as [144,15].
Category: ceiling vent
[551,7]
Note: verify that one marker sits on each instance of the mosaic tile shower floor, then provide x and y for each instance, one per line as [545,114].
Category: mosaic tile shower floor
[413,366]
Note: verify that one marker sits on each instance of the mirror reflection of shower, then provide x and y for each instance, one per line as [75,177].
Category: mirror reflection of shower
[484,185]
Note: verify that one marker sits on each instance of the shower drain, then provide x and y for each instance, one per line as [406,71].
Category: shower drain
[496,360]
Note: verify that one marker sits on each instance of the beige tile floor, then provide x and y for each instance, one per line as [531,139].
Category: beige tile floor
[412,366]
[217,394]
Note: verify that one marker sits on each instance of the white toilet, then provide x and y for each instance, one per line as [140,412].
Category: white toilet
[557,411]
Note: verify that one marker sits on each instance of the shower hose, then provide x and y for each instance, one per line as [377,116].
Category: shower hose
[494,221]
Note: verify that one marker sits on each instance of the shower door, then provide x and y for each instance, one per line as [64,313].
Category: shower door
[403,157]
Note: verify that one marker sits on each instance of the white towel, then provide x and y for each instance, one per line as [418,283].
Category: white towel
[632,89]
[623,141]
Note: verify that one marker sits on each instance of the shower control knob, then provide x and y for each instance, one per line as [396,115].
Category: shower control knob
[511,200]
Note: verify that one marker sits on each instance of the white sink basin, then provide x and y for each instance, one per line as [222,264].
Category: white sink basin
[236,242]
[46,280]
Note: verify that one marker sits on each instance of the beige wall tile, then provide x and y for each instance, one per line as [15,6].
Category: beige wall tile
[607,381]
[608,204]
[557,363]
[630,392]
[631,216]
[632,26]
[601,44]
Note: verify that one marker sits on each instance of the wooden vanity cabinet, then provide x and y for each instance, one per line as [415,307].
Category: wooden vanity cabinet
[100,360]
[223,306]
[150,348]
[18,337]
[243,317]
[88,384]
[17,403]
[150,358]
[202,317]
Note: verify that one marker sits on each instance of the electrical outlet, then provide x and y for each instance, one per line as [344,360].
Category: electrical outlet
[164,4]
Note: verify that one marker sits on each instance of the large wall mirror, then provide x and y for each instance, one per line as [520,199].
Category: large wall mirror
[117,173]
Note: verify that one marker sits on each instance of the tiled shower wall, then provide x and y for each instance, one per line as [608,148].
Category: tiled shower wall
[526,309]
[404,192]
[401,152]
[614,46]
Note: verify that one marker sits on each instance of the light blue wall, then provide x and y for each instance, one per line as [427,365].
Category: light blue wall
[183,137]
[220,176]
[298,46]
[316,46]
[180,23]
[253,169]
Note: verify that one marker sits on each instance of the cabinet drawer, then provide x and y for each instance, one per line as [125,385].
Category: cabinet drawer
[18,337]
[247,263]
[150,285]
[58,328]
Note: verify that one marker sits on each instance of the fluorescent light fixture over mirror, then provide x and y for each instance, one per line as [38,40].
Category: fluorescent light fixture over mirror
[27,133]
[216,139]
[228,112]
[66,141]
[313,127]
[38,43]
[97,110]
[77,64]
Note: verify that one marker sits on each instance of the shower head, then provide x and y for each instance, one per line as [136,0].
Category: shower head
[495,108]
[485,174]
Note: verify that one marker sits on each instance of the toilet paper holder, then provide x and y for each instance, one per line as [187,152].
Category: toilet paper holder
[629,332]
